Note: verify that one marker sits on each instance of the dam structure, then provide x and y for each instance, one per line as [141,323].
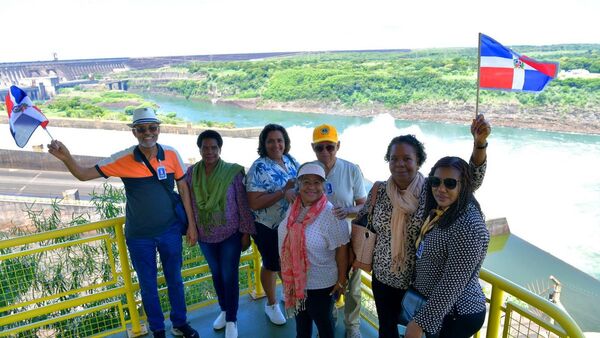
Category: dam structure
[42,79]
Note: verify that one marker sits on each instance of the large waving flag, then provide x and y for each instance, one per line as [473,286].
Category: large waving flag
[23,116]
[503,69]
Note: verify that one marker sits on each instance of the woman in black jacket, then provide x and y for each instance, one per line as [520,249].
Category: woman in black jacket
[450,250]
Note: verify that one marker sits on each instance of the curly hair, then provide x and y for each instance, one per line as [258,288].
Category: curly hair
[262,139]
[412,141]
[208,134]
[465,195]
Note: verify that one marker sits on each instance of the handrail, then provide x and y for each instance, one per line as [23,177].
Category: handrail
[52,234]
[499,284]
[502,284]
[96,292]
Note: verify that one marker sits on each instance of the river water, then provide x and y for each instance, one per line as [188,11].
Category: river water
[546,184]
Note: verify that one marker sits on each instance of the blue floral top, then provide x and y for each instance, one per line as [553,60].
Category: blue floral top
[265,175]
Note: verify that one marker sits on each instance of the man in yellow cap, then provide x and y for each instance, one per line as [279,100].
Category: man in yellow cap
[346,191]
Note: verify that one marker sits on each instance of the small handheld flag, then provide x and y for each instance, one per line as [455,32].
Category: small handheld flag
[501,68]
[23,116]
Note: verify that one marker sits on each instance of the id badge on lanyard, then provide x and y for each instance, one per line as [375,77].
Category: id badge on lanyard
[328,188]
[161,172]
[420,249]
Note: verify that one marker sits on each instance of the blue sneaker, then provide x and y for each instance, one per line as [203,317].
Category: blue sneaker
[159,334]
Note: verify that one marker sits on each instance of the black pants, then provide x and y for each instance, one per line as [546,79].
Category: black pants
[387,303]
[319,308]
[461,326]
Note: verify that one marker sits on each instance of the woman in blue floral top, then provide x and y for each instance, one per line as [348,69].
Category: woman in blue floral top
[269,184]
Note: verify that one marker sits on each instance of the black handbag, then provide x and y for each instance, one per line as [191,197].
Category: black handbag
[411,303]
[175,199]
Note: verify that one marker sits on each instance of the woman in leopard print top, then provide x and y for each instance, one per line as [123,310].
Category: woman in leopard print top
[403,194]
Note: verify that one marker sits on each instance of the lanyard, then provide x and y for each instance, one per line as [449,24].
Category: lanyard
[428,225]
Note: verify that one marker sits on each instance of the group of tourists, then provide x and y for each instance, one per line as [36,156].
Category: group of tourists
[431,234]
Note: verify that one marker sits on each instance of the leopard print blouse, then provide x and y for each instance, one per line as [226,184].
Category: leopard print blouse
[380,220]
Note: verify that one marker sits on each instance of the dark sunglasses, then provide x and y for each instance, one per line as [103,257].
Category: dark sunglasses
[142,130]
[319,148]
[449,183]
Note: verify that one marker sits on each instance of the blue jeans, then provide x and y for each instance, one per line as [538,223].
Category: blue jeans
[143,257]
[223,259]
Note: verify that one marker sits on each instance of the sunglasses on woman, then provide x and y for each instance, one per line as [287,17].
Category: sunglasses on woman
[142,130]
[449,183]
[319,148]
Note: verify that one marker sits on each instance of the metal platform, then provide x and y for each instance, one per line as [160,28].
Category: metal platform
[253,323]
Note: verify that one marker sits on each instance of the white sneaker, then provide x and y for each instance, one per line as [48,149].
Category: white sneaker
[274,314]
[231,330]
[219,323]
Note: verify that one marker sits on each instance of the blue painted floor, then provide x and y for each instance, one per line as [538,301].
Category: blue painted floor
[253,323]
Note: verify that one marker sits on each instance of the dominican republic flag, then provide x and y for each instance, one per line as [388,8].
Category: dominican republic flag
[23,116]
[503,69]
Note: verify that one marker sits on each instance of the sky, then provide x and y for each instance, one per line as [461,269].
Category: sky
[77,29]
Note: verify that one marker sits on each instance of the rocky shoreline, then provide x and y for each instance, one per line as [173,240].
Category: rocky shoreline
[513,115]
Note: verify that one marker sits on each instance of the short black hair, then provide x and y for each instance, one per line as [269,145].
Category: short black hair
[465,195]
[262,139]
[207,134]
[411,140]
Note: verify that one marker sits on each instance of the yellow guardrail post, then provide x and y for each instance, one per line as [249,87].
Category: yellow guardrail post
[137,329]
[258,291]
[495,312]
[562,318]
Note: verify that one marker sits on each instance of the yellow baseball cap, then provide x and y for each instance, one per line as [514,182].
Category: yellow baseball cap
[325,132]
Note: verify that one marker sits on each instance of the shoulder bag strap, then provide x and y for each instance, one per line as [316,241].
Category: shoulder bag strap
[163,184]
[373,197]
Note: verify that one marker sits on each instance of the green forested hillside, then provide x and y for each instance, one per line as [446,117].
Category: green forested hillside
[389,79]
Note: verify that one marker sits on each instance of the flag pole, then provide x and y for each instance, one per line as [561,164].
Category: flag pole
[478,70]
[52,138]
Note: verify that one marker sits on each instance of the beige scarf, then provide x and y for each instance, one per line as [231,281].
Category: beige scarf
[404,203]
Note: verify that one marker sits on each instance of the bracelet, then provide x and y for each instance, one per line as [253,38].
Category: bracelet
[482,147]
[341,285]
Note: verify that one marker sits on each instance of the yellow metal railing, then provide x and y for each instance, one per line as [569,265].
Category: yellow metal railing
[566,326]
[40,296]
[557,321]
[104,298]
